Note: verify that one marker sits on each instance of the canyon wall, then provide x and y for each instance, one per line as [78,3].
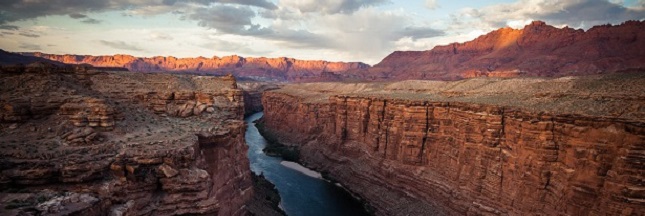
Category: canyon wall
[87,142]
[476,147]
[536,50]
[252,93]
[262,69]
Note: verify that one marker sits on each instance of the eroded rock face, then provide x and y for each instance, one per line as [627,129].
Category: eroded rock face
[121,144]
[536,50]
[277,69]
[460,149]
[252,92]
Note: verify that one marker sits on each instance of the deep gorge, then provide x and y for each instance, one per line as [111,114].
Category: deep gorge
[407,155]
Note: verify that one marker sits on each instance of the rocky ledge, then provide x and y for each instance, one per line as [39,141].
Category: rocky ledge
[86,142]
[484,146]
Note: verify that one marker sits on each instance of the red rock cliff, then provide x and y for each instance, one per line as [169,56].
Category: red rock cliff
[259,68]
[96,143]
[536,50]
[481,147]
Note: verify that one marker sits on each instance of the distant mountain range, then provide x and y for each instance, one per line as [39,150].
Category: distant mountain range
[536,50]
[279,69]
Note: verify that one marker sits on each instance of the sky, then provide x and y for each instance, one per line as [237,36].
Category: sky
[333,30]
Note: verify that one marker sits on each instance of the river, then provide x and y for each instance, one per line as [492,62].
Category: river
[303,191]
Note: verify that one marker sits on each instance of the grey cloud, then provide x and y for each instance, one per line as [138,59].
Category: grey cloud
[120,45]
[331,6]
[575,13]
[224,18]
[7,33]
[237,20]
[14,10]
[296,38]
[77,15]
[28,34]
[258,3]
[9,27]
[588,13]
[91,21]
[419,32]
[29,46]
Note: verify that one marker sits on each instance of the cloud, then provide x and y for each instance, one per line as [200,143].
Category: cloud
[330,6]
[29,46]
[237,20]
[258,3]
[91,21]
[224,18]
[575,13]
[14,10]
[431,4]
[120,45]
[419,32]
[231,46]
[77,15]
[368,33]
[9,27]
[160,36]
[28,34]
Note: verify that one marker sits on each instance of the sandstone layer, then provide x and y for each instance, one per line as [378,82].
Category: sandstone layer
[536,50]
[262,69]
[85,142]
[484,146]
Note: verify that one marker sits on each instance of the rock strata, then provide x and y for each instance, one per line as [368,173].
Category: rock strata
[86,142]
[568,146]
[262,69]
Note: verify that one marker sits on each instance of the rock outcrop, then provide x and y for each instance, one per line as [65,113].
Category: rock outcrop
[85,142]
[486,146]
[261,69]
[537,50]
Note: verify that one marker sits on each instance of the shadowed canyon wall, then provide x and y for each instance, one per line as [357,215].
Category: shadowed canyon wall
[478,147]
[252,92]
[84,142]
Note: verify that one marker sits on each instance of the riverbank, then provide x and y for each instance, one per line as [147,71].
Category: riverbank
[302,193]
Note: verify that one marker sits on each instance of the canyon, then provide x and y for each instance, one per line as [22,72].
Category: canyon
[80,141]
[533,121]
[482,146]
